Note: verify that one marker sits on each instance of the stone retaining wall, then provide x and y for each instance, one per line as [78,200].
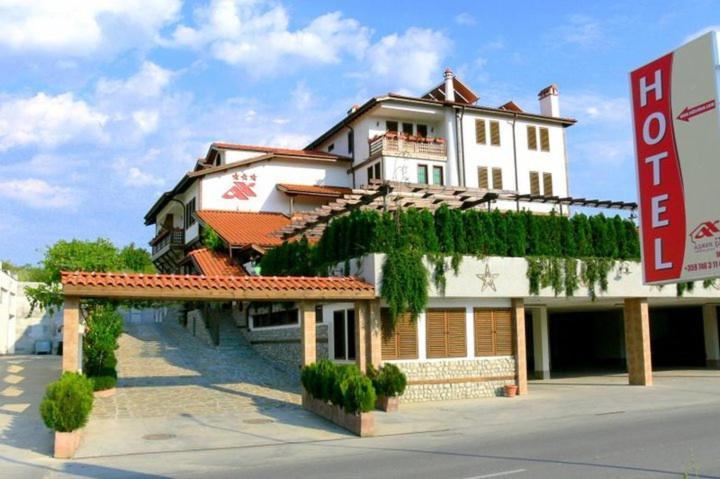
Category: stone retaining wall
[196,327]
[438,380]
[283,344]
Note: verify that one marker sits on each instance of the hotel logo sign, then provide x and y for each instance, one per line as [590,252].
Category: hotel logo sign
[677,143]
[242,188]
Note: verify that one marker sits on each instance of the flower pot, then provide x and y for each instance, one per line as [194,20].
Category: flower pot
[66,443]
[105,393]
[511,390]
[387,404]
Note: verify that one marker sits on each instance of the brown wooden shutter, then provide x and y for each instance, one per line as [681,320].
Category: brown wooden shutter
[544,139]
[497,178]
[503,332]
[480,135]
[435,332]
[532,137]
[402,342]
[534,183]
[484,337]
[495,133]
[547,184]
[483,177]
[456,333]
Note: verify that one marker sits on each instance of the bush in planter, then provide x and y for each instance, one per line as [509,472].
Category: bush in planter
[342,373]
[67,403]
[326,372]
[390,381]
[104,381]
[308,378]
[359,394]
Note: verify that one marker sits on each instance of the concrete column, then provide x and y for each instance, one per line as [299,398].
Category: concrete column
[374,335]
[518,314]
[72,341]
[361,328]
[541,342]
[712,341]
[637,341]
[307,331]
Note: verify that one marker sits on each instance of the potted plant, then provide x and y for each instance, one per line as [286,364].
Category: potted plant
[389,385]
[511,390]
[65,409]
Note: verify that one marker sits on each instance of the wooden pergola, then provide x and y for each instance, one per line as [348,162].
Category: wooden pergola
[304,290]
[391,195]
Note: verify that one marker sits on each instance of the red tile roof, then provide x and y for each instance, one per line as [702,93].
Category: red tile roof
[213,263]
[239,228]
[213,287]
[278,151]
[314,190]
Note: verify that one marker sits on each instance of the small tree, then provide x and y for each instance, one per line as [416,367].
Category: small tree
[104,327]
[67,403]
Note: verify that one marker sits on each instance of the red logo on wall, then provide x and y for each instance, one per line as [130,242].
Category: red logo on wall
[242,188]
[707,229]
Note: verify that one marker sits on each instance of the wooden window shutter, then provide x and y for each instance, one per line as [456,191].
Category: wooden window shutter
[484,337]
[402,342]
[547,184]
[495,133]
[503,332]
[534,183]
[456,333]
[483,177]
[532,137]
[544,139]
[480,135]
[435,332]
[497,178]
[389,338]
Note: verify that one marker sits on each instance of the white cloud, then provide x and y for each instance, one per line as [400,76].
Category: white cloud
[146,120]
[579,30]
[81,27]
[302,96]
[410,61]
[701,32]
[148,82]
[48,121]
[138,178]
[38,193]
[256,35]
[593,107]
[465,19]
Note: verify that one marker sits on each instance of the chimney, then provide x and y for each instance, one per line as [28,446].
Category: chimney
[449,88]
[549,101]
[353,109]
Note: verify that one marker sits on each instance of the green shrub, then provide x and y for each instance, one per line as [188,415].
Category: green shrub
[326,371]
[308,378]
[104,327]
[67,403]
[358,394]
[390,381]
[101,383]
[342,373]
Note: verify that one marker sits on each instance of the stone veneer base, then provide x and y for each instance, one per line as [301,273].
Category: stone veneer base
[362,424]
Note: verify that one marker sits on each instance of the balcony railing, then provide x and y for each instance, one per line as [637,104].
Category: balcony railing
[394,144]
[167,238]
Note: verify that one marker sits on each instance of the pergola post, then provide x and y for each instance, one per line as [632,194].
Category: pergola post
[72,340]
[541,342]
[374,335]
[637,341]
[712,341]
[518,316]
[307,338]
[361,328]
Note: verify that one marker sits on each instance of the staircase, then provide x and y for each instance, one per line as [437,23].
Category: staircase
[230,335]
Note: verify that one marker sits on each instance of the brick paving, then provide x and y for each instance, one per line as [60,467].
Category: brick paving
[164,371]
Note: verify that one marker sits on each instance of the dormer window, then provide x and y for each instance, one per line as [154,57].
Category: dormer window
[331,147]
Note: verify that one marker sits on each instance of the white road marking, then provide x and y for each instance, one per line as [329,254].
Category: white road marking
[497,474]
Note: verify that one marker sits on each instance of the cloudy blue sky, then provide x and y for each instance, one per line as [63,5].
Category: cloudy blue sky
[104,104]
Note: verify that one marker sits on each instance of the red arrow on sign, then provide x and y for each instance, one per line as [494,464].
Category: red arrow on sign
[690,112]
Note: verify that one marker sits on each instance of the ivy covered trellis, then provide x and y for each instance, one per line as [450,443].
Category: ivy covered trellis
[560,251]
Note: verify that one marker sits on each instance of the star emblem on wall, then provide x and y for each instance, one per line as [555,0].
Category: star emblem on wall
[488,279]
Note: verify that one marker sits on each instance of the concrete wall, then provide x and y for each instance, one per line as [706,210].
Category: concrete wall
[20,329]
[8,296]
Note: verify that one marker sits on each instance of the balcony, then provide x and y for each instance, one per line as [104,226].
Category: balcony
[398,144]
[167,240]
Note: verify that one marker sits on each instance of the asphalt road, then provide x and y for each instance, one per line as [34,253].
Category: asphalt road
[668,442]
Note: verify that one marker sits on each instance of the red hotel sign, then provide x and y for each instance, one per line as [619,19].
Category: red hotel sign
[677,142]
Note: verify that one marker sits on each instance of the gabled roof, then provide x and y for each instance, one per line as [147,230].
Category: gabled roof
[277,151]
[239,228]
[511,106]
[463,93]
[214,263]
[313,190]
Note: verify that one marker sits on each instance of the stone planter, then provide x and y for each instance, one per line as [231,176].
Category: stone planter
[387,404]
[66,443]
[511,390]
[105,393]
[362,424]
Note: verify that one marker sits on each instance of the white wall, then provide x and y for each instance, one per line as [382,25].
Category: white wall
[8,297]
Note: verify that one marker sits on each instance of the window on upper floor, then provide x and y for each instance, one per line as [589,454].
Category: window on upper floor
[544,139]
[547,184]
[350,142]
[495,133]
[391,125]
[373,172]
[407,128]
[480,133]
[497,178]
[189,210]
[438,177]
[534,183]
[422,174]
[422,130]
[532,138]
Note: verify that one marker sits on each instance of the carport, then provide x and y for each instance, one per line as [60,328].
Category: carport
[78,286]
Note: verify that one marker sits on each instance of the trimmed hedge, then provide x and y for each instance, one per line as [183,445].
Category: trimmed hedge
[389,381]
[342,385]
[101,383]
[67,403]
